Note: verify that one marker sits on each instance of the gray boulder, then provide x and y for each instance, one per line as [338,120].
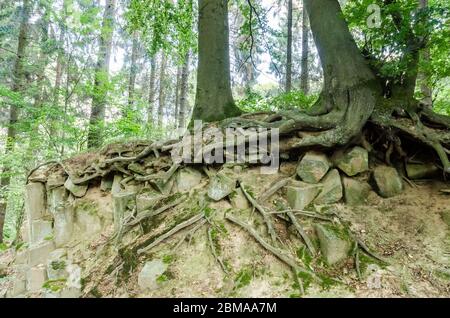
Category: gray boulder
[331,188]
[420,171]
[147,200]
[238,200]
[388,181]
[106,183]
[301,194]
[187,179]
[221,186]
[352,161]
[35,205]
[355,192]
[313,167]
[335,244]
[78,191]
[148,277]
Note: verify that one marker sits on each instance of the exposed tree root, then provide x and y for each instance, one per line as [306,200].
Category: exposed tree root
[301,232]
[214,252]
[171,232]
[282,255]
[151,213]
[264,214]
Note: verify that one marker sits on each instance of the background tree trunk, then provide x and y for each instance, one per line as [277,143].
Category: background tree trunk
[18,75]
[424,76]
[101,76]
[214,100]
[288,84]
[133,72]
[161,97]
[177,94]
[304,76]
[184,92]
[151,90]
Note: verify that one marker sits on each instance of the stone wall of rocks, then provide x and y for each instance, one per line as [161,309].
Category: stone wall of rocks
[54,219]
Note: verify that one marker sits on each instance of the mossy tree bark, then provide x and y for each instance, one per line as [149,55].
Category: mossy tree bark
[214,100]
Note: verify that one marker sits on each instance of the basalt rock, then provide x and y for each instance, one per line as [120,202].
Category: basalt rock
[352,161]
[388,181]
[313,167]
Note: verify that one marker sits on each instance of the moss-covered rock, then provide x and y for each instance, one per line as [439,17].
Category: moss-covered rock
[388,181]
[331,188]
[355,192]
[220,186]
[420,171]
[77,190]
[187,179]
[301,194]
[352,161]
[335,243]
[151,273]
[313,167]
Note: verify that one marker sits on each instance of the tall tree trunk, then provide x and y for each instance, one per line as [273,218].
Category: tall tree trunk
[97,117]
[162,97]
[184,92]
[424,74]
[288,84]
[59,68]
[133,72]
[18,77]
[304,75]
[214,100]
[151,90]
[177,94]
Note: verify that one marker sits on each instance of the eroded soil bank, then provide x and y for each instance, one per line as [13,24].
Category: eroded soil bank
[327,225]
